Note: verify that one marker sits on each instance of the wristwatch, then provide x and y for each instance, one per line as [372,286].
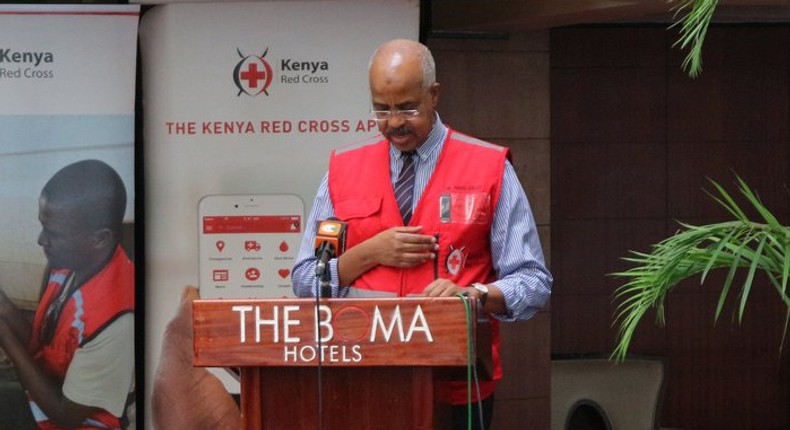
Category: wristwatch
[483,289]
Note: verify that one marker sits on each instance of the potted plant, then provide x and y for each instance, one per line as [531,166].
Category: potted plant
[693,28]
[738,245]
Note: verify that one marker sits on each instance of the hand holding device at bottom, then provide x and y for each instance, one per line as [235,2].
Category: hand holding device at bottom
[184,396]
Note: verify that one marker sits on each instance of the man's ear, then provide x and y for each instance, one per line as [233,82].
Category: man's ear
[103,238]
[434,91]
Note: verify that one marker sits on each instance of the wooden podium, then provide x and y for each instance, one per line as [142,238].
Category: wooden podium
[374,365]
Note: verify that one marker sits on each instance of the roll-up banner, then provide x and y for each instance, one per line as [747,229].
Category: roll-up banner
[67,93]
[244,102]
[67,85]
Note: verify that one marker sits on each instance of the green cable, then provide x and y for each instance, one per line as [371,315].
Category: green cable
[469,359]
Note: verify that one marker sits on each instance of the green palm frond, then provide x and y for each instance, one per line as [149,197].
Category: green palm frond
[693,28]
[738,245]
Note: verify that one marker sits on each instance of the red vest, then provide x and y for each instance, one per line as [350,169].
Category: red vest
[457,204]
[93,306]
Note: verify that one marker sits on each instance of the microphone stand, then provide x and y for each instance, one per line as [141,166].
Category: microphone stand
[326,289]
[322,272]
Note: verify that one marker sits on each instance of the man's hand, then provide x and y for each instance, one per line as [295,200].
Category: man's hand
[184,396]
[7,308]
[445,288]
[17,323]
[45,391]
[495,302]
[403,247]
[394,247]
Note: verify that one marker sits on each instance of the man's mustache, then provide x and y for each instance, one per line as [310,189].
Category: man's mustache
[400,131]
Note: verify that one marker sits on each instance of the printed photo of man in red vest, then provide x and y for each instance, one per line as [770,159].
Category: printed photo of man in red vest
[74,362]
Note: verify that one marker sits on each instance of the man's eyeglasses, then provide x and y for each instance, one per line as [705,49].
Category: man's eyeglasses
[384,115]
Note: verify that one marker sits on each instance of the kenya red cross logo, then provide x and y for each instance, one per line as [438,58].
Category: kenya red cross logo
[455,260]
[253,75]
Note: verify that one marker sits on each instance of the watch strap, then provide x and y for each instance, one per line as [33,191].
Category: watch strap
[483,291]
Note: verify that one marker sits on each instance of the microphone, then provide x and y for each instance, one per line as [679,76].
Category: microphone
[330,242]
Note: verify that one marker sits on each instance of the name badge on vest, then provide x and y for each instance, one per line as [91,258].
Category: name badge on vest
[444,208]
[465,208]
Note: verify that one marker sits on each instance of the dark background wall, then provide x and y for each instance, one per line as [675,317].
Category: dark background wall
[614,144]
[633,141]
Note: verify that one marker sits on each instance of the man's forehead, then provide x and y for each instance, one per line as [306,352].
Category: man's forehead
[399,85]
[59,208]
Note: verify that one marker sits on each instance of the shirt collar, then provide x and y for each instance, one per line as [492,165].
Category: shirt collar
[433,142]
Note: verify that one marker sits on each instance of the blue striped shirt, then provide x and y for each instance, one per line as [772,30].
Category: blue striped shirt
[515,247]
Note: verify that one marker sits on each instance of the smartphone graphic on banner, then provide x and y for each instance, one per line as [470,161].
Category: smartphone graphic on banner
[248,245]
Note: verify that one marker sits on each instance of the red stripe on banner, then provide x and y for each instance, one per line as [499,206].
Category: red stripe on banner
[251,224]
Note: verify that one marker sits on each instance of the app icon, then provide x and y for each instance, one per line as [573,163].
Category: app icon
[220,275]
[252,274]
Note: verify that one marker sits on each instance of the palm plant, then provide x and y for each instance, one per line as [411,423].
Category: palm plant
[738,245]
[693,28]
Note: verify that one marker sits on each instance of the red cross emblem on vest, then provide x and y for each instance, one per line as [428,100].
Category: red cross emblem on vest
[455,260]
